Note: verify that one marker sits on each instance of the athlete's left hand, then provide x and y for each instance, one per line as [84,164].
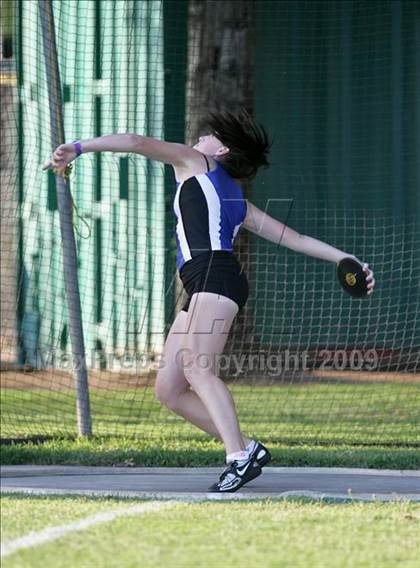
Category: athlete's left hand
[369,275]
[370,278]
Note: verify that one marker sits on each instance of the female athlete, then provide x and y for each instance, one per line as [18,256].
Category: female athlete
[210,209]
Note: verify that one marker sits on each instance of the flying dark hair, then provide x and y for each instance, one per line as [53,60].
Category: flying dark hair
[247,141]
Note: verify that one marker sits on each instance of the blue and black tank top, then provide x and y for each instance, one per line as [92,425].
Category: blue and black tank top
[210,209]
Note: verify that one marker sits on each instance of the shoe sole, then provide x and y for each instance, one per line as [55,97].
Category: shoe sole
[257,471]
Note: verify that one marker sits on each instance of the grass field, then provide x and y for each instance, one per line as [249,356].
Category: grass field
[369,425]
[295,533]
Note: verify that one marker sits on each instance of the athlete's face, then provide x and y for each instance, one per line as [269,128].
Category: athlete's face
[211,146]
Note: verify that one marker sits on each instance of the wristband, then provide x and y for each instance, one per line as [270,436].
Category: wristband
[77,147]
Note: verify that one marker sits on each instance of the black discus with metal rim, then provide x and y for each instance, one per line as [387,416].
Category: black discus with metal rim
[352,277]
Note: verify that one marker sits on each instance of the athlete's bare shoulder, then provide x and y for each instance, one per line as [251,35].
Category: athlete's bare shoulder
[201,165]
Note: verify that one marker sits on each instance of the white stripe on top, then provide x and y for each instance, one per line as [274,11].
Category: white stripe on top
[180,231]
[213,204]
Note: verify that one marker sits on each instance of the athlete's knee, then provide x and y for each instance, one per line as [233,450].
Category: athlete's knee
[165,392]
[196,365]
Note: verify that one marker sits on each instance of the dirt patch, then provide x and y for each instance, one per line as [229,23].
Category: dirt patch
[60,380]
[54,380]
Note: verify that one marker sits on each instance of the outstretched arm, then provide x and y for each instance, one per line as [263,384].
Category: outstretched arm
[179,155]
[263,225]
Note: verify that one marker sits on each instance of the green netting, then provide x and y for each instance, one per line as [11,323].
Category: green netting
[337,85]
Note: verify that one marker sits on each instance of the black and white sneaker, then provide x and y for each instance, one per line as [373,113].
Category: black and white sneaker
[260,454]
[235,475]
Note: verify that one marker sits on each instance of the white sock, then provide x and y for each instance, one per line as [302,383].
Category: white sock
[251,447]
[237,456]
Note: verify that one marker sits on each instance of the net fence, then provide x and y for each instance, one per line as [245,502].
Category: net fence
[337,85]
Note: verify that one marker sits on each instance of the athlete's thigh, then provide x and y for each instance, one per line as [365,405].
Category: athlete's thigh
[210,318]
[170,369]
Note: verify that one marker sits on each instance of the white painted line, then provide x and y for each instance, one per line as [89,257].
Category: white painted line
[199,497]
[52,533]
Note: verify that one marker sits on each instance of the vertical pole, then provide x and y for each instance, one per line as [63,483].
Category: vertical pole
[67,235]
[20,288]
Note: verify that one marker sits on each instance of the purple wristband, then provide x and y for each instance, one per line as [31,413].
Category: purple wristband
[77,147]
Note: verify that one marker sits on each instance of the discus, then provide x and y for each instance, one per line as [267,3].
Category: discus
[352,277]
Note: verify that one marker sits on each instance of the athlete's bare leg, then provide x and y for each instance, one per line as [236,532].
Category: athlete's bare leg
[172,388]
[209,320]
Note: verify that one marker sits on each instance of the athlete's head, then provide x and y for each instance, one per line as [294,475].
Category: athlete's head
[237,141]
